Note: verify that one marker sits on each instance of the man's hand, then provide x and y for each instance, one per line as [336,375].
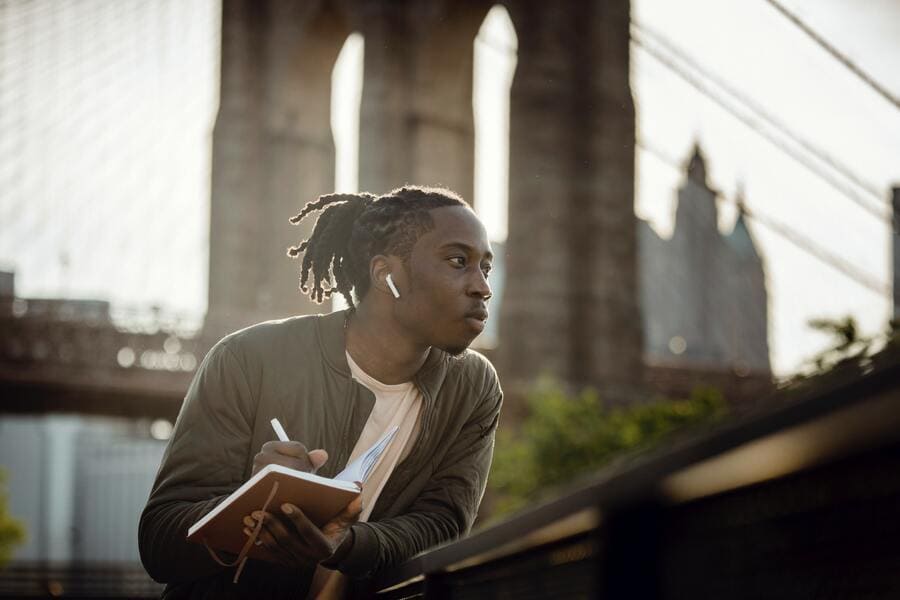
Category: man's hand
[291,539]
[289,454]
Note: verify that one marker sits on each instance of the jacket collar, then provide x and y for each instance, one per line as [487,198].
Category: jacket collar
[332,342]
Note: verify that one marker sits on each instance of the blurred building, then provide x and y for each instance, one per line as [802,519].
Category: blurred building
[86,401]
[703,294]
[78,484]
[87,406]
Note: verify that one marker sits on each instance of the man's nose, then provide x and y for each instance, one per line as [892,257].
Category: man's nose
[479,286]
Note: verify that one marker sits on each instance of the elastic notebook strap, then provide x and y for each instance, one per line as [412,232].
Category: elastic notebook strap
[251,540]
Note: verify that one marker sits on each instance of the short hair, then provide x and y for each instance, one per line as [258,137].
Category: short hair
[355,227]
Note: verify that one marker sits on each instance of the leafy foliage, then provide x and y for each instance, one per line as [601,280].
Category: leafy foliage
[565,436]
[849,348]
[847,343]
[12,532]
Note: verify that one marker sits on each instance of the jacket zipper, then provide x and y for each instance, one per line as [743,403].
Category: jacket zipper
[348,422]
[422,438]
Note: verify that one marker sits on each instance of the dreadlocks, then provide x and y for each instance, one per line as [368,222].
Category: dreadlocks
[355,227]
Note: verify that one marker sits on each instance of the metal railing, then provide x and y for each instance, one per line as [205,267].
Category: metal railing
[799,497]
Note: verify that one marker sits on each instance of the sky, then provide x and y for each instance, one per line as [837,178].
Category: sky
[105,145]
[768,60]
[106,116]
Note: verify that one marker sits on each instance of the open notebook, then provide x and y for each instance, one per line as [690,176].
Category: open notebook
[320,498]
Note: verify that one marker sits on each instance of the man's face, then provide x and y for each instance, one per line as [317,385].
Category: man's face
[444,302]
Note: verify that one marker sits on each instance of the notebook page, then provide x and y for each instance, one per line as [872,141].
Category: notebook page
[361,468]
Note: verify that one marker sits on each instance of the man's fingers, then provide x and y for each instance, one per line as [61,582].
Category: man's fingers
[295,449]
[312,543]
[268,540]
[318,458]
[261,460]
[289,454]
[279,538]
[306,528]
[248,531]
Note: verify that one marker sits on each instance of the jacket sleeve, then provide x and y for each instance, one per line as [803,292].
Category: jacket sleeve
[204,462]
[446,508]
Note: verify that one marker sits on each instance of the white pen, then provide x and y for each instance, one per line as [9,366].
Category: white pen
[279,431]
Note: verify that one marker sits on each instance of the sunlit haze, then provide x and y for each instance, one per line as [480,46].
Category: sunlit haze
[107,112]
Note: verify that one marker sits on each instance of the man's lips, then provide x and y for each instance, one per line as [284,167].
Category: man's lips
[477,319]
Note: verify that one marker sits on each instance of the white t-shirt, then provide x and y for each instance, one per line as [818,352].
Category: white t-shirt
[395,404]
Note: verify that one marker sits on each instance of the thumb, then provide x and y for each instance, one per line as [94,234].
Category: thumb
[352,511]
[317,458]
[347,517]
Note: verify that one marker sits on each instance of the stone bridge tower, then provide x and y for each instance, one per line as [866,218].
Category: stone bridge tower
[570,306]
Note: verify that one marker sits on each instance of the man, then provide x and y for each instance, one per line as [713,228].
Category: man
[413,267]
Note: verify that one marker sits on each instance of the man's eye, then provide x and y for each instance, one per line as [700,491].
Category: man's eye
[486,269]
[459,261]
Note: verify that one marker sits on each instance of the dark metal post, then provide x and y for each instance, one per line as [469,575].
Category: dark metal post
[630,562]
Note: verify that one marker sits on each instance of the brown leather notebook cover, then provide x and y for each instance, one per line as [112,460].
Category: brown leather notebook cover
[320,499]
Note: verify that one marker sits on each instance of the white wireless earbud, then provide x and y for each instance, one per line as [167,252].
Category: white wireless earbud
[393,287]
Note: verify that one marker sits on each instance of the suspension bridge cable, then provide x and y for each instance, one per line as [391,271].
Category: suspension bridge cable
[791,235]
[836,54]
[754,125]
[762,114]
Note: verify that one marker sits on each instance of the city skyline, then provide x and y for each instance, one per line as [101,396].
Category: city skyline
[135,230]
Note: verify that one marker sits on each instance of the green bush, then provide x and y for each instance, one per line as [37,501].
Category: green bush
[565,436]
[12,532]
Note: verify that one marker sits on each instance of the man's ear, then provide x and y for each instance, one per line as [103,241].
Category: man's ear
[380,267]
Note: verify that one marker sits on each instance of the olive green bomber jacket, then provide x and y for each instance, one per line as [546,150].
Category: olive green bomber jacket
[296,370]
